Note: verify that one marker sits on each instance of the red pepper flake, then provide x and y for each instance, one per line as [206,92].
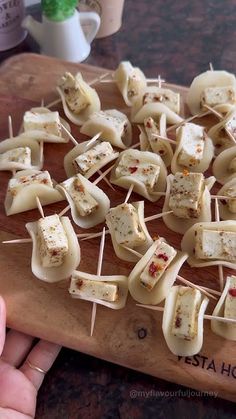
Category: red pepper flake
[148,124]
[133,169]
[185,172]
[178,322]
[163,256]
[153,268]
[79,283]
[232,292]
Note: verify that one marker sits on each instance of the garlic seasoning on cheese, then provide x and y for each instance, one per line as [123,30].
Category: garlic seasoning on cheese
[145,170]
[113,125]
[210,244]
[127,228]
[89,204]
[226,307]
[224,166]
[20,153]
[188,196]
[25,186]
[78,98]
[227,207]
[223,134]
[130,81]
[148,141]
[194,150]
[183,318]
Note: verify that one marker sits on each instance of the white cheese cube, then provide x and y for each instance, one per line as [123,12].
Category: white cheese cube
[16,184]
[147,173]
[186,194]
[165,96]
[87,160]
[53,243]
[192,137]
[100,290]
[75,95]
[157,145]
[134,82]
[213,96]
[19,155]
[157,265]
[232,165]
[83,200]
[230,301]
[104,118]
[215,244]
[231,192]
[48,122]
[126,226]
[185,318]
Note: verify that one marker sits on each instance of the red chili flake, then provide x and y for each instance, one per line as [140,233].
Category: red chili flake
[54,252]
[45,181]
[232,292]
[153,268]
[79,283]
[148,124]
[133,169]
[163,256]
[178,322]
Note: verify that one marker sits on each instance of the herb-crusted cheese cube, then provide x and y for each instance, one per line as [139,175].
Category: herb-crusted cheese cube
[192,137]
[215,244]
[157,265]
[48,122]
[83,200]
[126,226]
[185,319]
[19,155]
[230,301]
[133,86]
[120,124]
[53,243]
[147,173]
[186,194]
[18,183]
[231,192]
[100,290]
[165,96]
[213,96]
[85,161]
[75,96]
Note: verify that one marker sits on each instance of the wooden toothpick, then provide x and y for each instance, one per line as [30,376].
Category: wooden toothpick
[220,267]
[103,174]
[40,208]
[211,66]
[212,110]
[16,241]
[179,124]
[64,211]
[73,140]
[190,284]
[160,81]
[129,193]
[161,137]
[10,128]
[156,216]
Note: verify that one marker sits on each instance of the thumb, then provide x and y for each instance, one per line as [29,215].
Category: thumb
[2,324]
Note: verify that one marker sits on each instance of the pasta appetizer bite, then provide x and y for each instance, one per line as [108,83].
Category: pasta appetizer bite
[89,157]
[227,207]
[226,307]
[56,251]
[20,153]
[79,100]
[25,186]
[194,149]
[224,166]
[210,244]
[155,101]
[223,134]
[128,230]
[89,204]
[188,196]
[183,318]
[130,81]
[153,276]
[149,140]
[144,170]
[212,88]
[113,125]
[110,291]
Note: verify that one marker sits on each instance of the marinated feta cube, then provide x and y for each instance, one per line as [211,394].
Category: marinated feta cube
[100,290]
[156,266]
[213,96]
[104,117]
[124,222]
[83,200]
[75,95]
[231,192]
[185,318]
[20,155]
[133,86]
[186,194]
[215,244]
[152,128]
[47,122]
[87,160]
[147,173]
[16,184]
[192,140]
[165,96]
[53,242]
[230,301]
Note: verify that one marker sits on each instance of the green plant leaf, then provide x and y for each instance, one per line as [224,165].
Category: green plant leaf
[58,10]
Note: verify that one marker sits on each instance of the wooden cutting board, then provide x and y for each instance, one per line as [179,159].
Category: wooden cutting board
[131,337]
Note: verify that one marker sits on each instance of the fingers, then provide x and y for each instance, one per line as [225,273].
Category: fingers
[2,323]
[41,358]
[16,348]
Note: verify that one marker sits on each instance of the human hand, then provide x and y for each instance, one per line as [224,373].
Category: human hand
[22,370]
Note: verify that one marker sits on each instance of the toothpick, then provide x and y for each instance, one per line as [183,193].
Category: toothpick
[230,135]
[93,235]
[98,79]
[192,285]
[129,193]
[212,110]
[134,252]
[106,180]
[211,66]
[64,211]
[160,81]
[221,197]
[103,174]
[135,145]
[42,103]
[16,241]
[93,140]
[179,124]
[148,80]
[69,135]
[55,102]
[10,128]
[156,216]
[41,147]
[217,214]
[40,208]
[220,267]
[88,235]
[99,270]
[164,138]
